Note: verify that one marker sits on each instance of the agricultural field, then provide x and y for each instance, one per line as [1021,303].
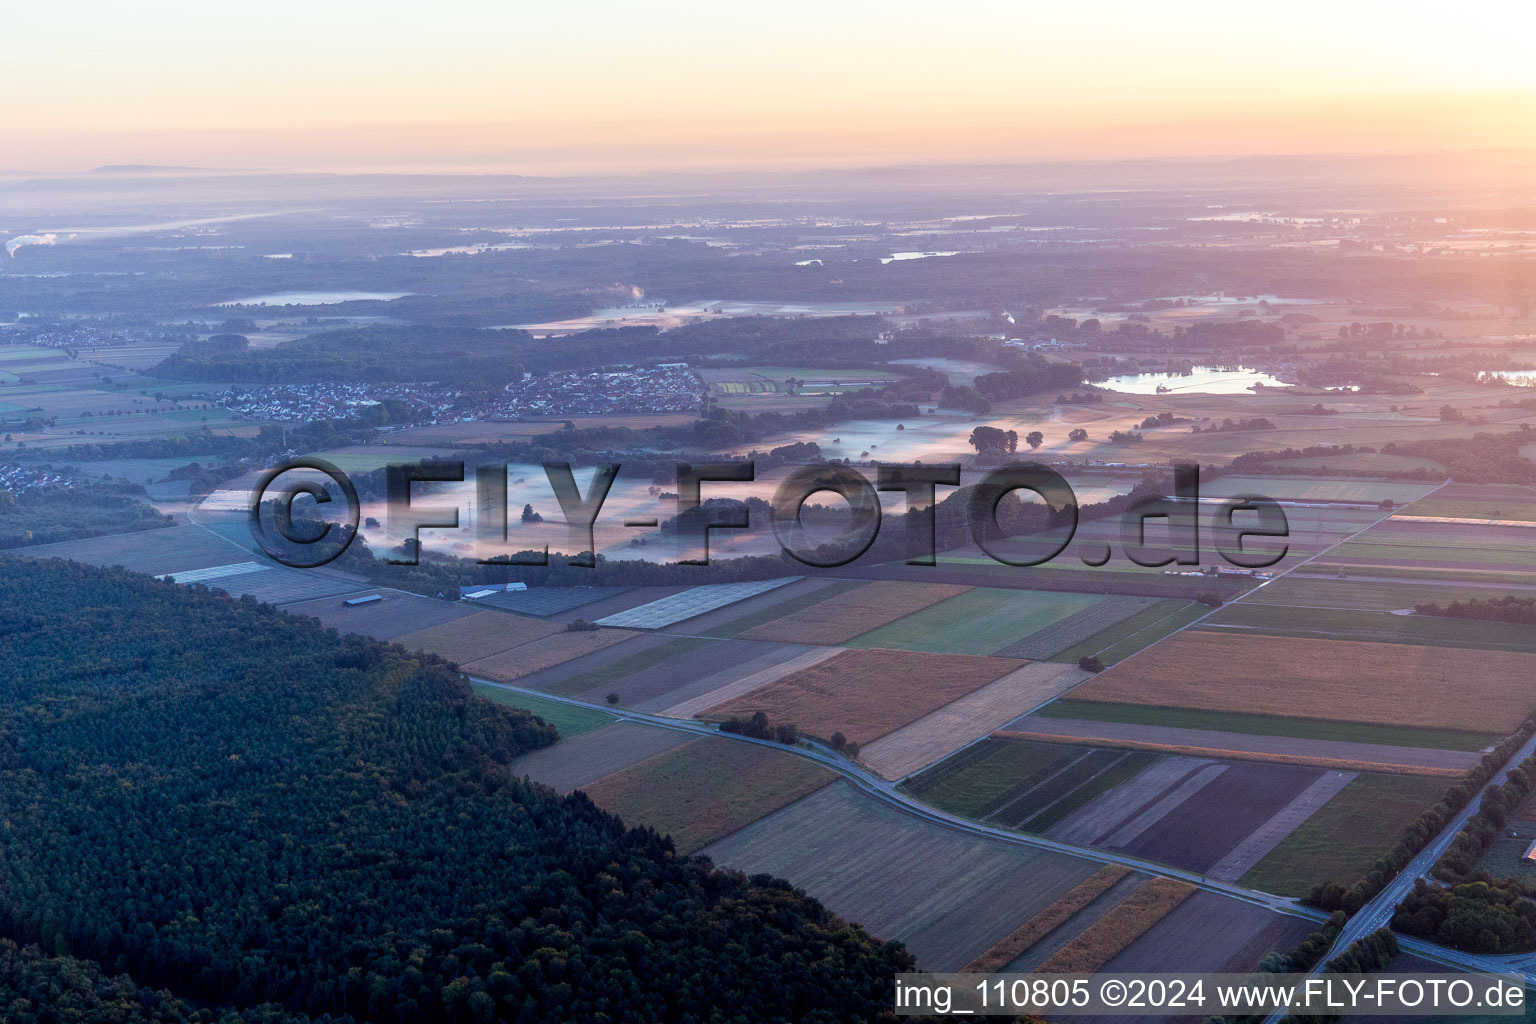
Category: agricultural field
[693,671]
[1024,785]
[1389,684]
[864,860]
[397,614]
[544,653]
[1428,544]
[1096,620]
[1343,838]
[1211,933]
[581,760]
[1377,627]
[570,719]
[1101,941]
[1477,501]
[1019,941]
[548,601]
[695,601]
[1316,590]
[1214,743]
[1323,489]
[156,552]
[847,613]
[706,789]
[978,621]
[477,636]
[733,621]
[973,716]
[1133,633]
[865,694]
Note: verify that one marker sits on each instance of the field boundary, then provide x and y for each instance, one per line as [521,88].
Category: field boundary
[1017,942]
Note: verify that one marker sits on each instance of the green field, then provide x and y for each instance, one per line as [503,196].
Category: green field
[1269,725]
[570,720]
[980,778]
[1344,837]
[979,621]
[1100,772]
[1022,784]
[1133,634]
[1506,859]
[1372,626]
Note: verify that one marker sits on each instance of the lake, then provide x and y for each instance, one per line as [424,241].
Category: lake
[1203,380]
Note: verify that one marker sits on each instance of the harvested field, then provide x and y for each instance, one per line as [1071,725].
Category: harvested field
[848,613]
[1342,839]
[866,694]
[1013,945]
[573,763]
[1201,828]
[1211,933]
[545,653]
[1098,821]
[1302,760]
[978,621]
[1376,627]
[1105,938]
[397,614]
[780,661]
[1043,644]
[1269,725]
[973,716]
[1241,746]
[157,552]
[568,718]
[706,789]
[865,861]
[617,603]
[477,636]
[1393,684]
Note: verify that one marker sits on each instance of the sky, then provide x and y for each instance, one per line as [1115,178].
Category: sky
[594,85]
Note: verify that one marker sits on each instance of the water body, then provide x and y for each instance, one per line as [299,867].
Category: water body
[1203,380]
[902,257]
[315,298]
[1525,378]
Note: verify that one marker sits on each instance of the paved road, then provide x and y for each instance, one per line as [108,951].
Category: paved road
[1378,912]
[886,791]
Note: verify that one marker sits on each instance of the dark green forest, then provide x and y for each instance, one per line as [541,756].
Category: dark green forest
[64,513]
[241,808]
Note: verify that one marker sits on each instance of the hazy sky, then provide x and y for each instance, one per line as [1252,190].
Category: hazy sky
[597,84]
